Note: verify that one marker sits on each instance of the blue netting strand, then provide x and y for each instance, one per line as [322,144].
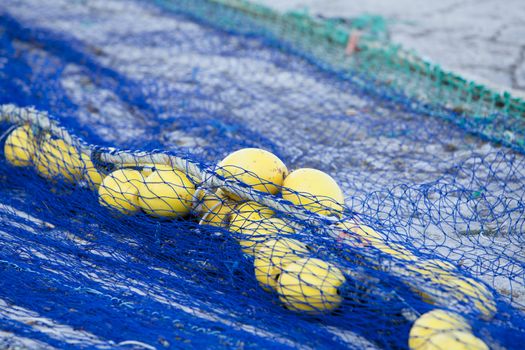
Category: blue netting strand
[77,274]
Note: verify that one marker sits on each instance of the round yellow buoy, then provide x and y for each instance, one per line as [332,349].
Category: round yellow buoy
[461,288]
[455,340]
[255,167]
[272,256]
[373,238]
[206,200]
[395,250]
[437,264]
[91,174]
[55,158]
[315,190]
[219,212]
[467,289]
[259,231]
[19,147]
[119,190]
[434,322]
[310,285]
[247,213]
[166,193]
[361,230]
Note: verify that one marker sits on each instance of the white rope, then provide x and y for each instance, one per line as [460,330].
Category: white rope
[135,343]
[41,120]
[7,132]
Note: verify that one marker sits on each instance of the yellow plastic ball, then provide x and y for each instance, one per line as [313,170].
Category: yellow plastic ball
[206,200]
[314,190]
[430,273]
[467,290]
[461,288]
[19,147]
[310,285]
[272,256]
[437,264]
[55,158]
[432,296]
[119,190]
[361,230]
[395,250]
[432,323]
[255,167]
[371,237]
[259,231]
[91,174]
[166,193]
[434,270]
[247,213]
[219,212]
[455,340]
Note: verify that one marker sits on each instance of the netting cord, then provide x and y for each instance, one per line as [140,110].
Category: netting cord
[209,177]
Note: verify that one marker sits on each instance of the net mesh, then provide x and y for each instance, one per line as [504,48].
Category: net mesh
[195,246]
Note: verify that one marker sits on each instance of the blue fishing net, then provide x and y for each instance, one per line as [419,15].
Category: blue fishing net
[434,201]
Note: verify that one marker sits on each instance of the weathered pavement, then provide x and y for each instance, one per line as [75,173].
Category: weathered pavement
[483,40]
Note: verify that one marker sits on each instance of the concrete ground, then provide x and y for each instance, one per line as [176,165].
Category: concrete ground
[483,40]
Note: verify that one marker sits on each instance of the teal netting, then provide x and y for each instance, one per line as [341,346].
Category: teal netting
[433,216]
